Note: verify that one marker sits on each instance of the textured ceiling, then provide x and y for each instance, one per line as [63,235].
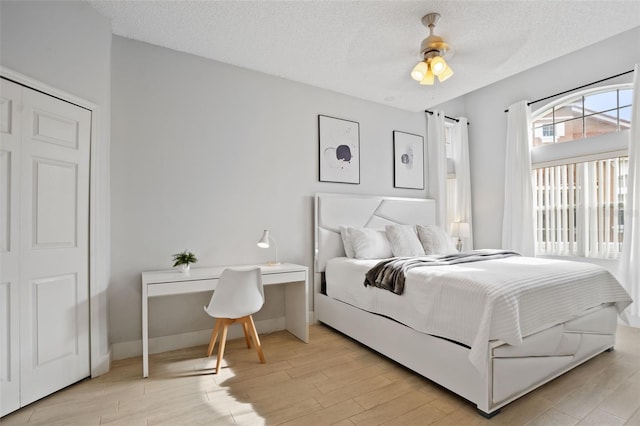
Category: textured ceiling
[368,48]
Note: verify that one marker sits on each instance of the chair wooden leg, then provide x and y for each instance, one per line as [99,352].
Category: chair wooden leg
[256,339]
[214,336]
[246,334]
[223,341]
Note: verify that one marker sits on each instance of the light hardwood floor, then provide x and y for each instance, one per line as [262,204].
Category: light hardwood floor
[331,380]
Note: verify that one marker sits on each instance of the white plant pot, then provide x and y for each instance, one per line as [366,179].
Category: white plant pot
[185,267]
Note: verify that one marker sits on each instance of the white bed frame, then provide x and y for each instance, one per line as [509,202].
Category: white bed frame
[510,371]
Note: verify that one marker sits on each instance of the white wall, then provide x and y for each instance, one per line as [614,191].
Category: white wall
[204,157]
[485,110]
[67,45]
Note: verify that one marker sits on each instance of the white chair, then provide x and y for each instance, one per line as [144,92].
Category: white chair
[239,294]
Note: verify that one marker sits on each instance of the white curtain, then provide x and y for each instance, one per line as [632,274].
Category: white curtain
[462,202]
[438,165]
[629,272]
[517,223]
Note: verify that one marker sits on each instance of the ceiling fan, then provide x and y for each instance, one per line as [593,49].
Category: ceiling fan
[433,50]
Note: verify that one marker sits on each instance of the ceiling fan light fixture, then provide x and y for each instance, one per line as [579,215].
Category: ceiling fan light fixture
[433,49]
[429,78]
[438,65]
[419,71]
[448,72]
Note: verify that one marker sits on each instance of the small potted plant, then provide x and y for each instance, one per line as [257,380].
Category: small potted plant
[184,260]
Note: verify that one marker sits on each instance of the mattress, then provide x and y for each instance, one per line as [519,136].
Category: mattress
[476,303]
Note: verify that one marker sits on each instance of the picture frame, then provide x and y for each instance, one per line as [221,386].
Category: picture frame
[408,160]
[339,150]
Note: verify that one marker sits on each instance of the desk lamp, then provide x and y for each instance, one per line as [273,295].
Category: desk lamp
[264,243]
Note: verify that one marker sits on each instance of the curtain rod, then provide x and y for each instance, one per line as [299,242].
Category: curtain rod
[446,116]
[575,88]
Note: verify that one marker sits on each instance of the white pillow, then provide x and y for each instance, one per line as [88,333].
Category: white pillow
[404,240]
[346,241]
[435,240]
[369,243]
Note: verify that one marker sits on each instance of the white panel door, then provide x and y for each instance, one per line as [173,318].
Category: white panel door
[10,126]
[54,237]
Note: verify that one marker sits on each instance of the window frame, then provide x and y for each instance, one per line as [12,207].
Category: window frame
[599,147]
[568,100]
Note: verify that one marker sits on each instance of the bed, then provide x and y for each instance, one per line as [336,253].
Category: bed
[489,354]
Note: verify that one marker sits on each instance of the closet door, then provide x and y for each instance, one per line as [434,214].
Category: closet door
[44,245]
[53,245]
[10,126]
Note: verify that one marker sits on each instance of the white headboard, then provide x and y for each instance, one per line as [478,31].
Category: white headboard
[333,210]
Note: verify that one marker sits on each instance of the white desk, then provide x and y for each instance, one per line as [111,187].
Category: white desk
[165,283]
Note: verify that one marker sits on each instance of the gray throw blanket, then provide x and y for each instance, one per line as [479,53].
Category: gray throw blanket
[389,274]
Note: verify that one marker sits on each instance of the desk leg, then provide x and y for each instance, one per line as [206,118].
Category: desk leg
[297,310]
[145,332]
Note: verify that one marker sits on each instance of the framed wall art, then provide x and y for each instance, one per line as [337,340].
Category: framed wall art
[408,160]
[339,142]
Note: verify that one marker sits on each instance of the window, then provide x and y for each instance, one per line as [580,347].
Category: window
[583,116]
[580,169]
[579,208]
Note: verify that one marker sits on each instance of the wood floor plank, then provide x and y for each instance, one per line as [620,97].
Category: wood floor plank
[390,410]
[328,416]
[601,418]
[553,417]
[352,390]
[351,377]
[623,401]
[424,415]
[522,410]
[291,413]
[72,412]
[392,390]
[581,401]
[330,380]
[634,420]
[462,417]
[19,417]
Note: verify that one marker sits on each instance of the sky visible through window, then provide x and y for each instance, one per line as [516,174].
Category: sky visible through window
[607,101]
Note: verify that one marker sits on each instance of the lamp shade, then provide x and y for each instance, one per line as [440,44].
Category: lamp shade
[264,240]
[438,65]
[428,79]
[460,230]
[419,71]
[448,72]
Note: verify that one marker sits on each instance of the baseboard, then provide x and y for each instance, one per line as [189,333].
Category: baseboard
[122,350]
[102,365]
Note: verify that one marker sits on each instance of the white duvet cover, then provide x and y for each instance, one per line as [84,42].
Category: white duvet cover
[475,303]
